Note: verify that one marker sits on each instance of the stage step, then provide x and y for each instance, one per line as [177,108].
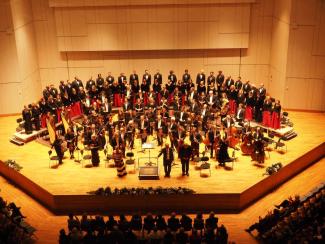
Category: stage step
[16,141]
[289,136]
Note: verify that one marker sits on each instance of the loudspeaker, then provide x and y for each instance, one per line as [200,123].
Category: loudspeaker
[148,173]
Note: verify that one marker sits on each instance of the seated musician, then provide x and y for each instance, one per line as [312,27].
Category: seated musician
[126,105]
[139,106]
[130,132]
[106,107]
[211,99]
[143,126]
[240,114]
[182,116]
[228,121]
[195,138]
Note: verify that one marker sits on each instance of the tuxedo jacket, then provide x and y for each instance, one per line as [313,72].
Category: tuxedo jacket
[165,153]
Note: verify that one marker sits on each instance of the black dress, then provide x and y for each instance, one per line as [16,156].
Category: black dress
[94,146]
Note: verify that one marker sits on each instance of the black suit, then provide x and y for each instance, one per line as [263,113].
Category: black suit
[158,77]
[200,77]
[168,159]
[185,153]
[134,77]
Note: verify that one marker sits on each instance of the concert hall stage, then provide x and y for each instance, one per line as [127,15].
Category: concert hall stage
[64,189]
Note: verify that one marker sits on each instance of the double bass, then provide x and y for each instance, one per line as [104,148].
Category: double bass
[247,146]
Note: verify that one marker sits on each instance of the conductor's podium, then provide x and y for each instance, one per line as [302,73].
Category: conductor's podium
[148,173]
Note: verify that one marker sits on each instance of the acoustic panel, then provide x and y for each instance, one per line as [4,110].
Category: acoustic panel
[166,27]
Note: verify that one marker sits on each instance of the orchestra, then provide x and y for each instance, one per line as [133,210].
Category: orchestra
[214,110]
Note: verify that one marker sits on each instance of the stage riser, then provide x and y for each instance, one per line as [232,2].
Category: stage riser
[220,203]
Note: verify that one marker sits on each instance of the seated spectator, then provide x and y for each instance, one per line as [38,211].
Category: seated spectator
[155,236]
[110,223]
[85,223]
[75,235]
[115,236]
[181,236]
[130,237]
[173,222]
[211,222]
[136,222]
[168,237]
[186,222]
[198,222]
[195,238]
[89,238]
[149,222]
[123,224]
[98,223]
[63,237]
[290,202]
[160,222]
[222,235]
[209,236]
[73,222]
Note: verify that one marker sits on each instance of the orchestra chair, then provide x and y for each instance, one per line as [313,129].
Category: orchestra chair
[130,160]
[52,159]
[85,157]
[197,162]
[108,159]
[205,165]
[280,146]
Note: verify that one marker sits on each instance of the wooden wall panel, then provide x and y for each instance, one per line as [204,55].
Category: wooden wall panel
[220,26]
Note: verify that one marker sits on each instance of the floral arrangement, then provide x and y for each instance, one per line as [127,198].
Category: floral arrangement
[140,191]
[12,164]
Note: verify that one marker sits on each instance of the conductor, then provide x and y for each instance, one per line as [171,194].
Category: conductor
[168,158]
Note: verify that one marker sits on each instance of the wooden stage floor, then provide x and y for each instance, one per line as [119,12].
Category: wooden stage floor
[71,179]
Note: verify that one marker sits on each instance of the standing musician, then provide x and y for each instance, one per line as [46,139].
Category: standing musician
[27,117]
[94,147]
[58,148]
[160,127]
[168,159]
[185,152]
[259,152]
[195,138]
[71,142]
[173,133]
[130,133]
[143,126]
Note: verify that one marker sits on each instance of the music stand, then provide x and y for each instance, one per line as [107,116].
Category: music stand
[148,146]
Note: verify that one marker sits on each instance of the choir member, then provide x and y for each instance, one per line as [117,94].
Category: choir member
[186,77]
[172,77]
[220,79]
[232,95]
[158,77]
[200,78]
[267,109]
[27,117]
[134,78]
[246,88]
[250,103]
[121,79]
[238,84]
[90,83]
[276,115]
[100,82]
[110,78]
[147,76]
